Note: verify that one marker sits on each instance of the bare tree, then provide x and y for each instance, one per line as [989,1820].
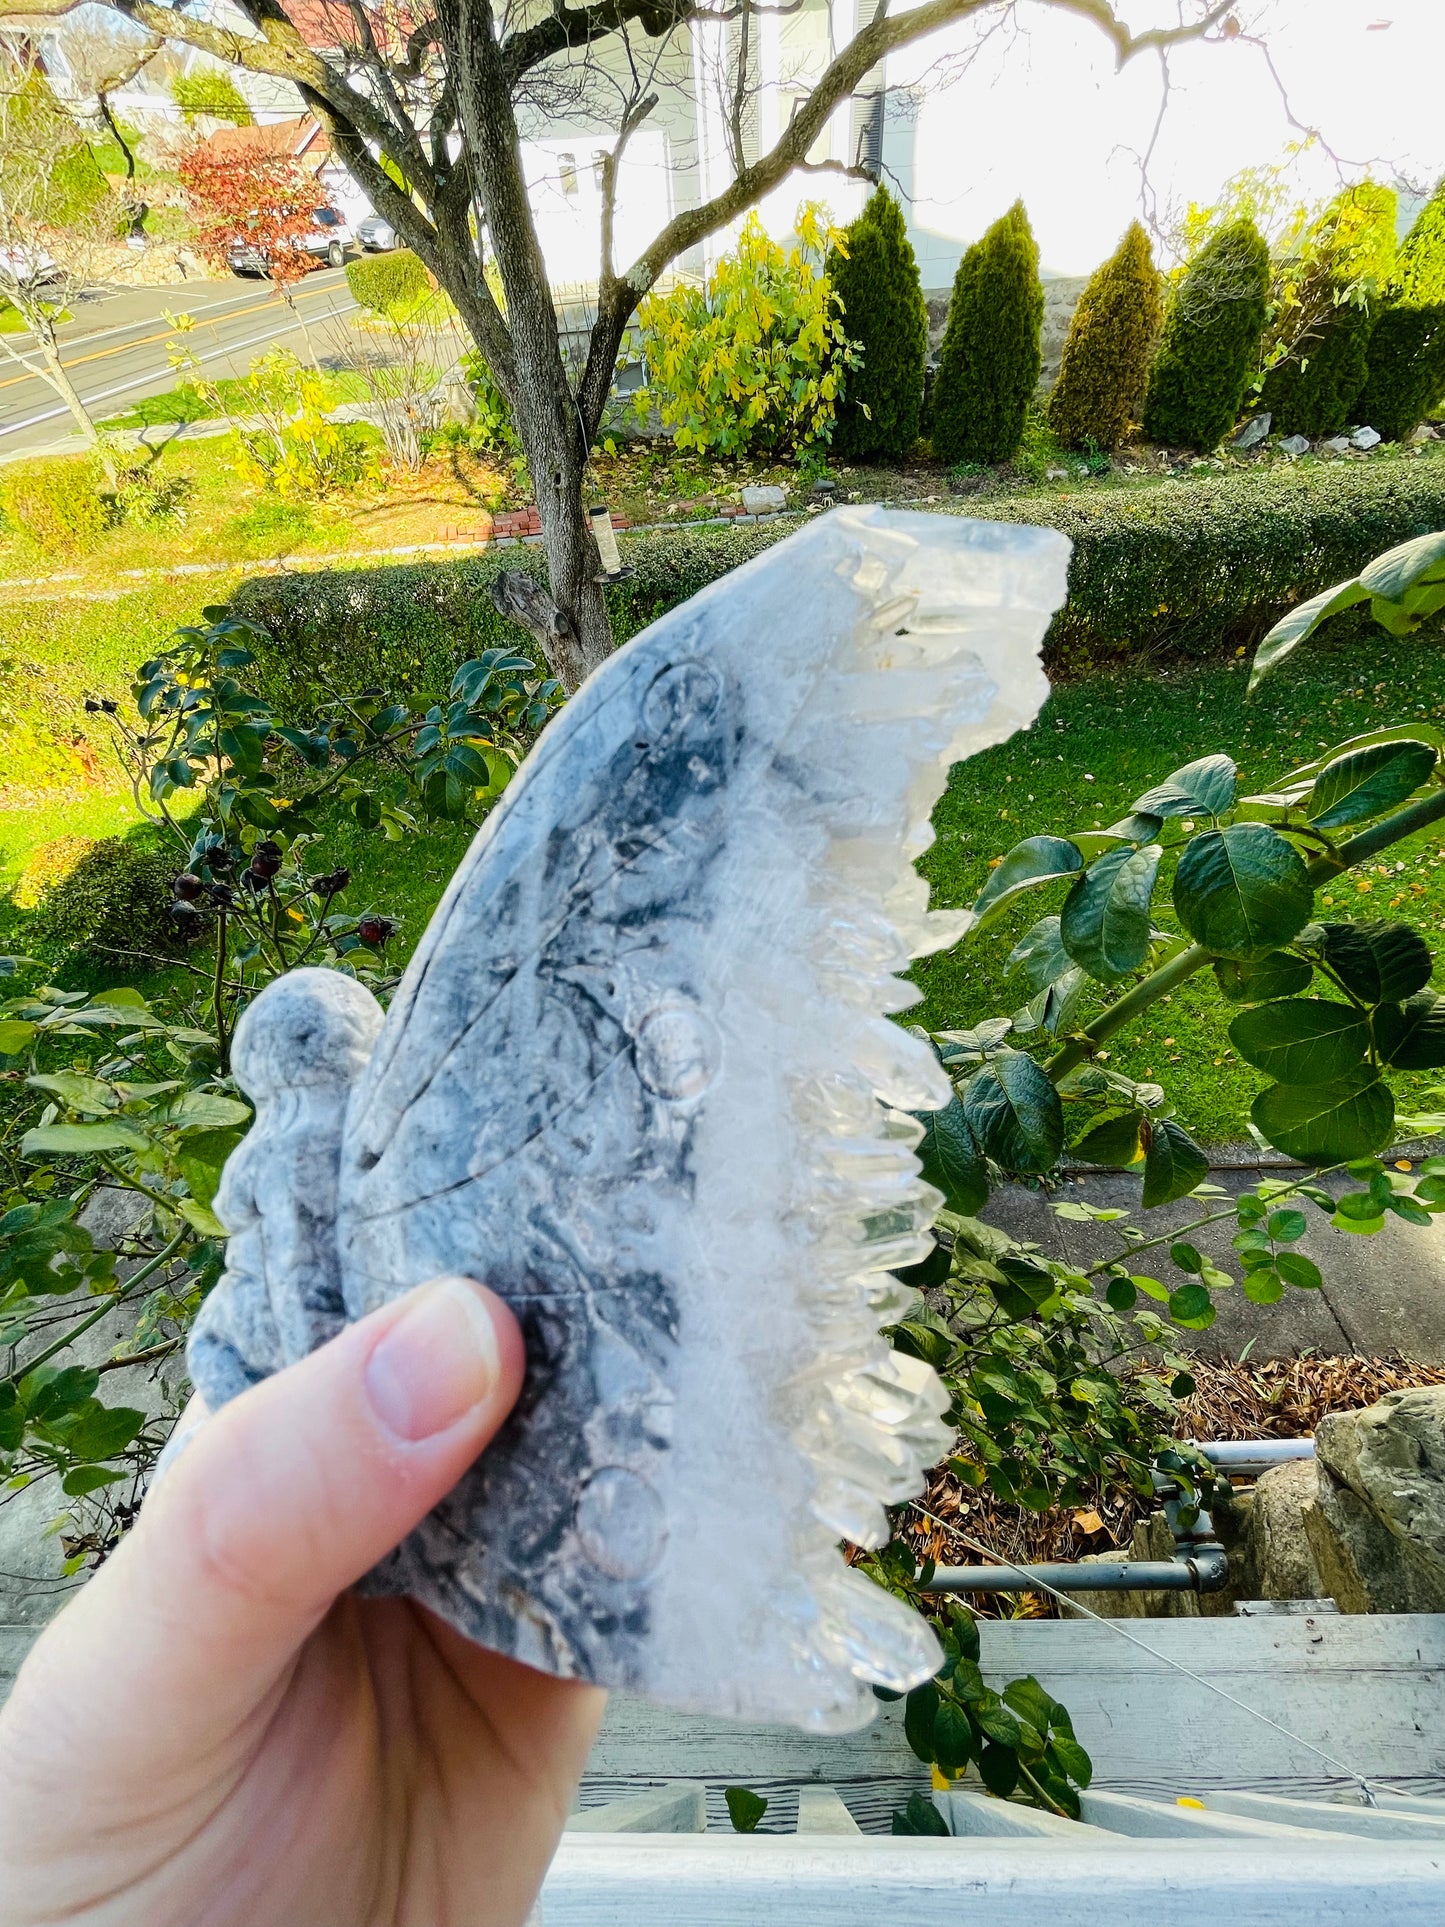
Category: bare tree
[422,105]
[57,224]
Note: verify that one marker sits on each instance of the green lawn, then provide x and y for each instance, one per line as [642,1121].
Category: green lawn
[1101,741]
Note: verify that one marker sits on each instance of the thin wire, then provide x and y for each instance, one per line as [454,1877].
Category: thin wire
[1361,1780]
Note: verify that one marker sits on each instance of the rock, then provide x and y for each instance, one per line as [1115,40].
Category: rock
[1392,1457]
[1365,438]
[766,499]
[1152,1540]
[1363,1567]
[1295,445]
[1424,433]
[1252,434]
[1336,445]
[1056,475]
[1278,1560]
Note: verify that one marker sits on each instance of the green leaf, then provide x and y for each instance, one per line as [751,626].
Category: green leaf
[1288,633]
[1188,1257]
[103,1431]
[919,1715]
[1243,891]
[201,1218]
[952,1738]
[921,1817]
[1302,1040]
[1173,1163]
[1410,1036]
[1416,732]
[207,1111]
[998,1768]
[1015,1114]
[1263,1287]
[951,1161]
[996,1721]
[1071,1758]
[82,1140]
[1121,1294]
[1327,1123]
[1041,953]
[1367,782]
[15,1036]
[1192,1307]
[1380,963]
[89,1478]
[1038,859]
[1202,788]
[1275,974]
[1112,1140]
[1287,1225]
[1105,922]
[1392,575]
[745,1808]
[12,1419]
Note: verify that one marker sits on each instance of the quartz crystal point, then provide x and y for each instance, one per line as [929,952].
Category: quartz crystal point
[640,1077]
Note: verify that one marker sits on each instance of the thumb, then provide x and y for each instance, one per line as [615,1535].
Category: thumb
[280,1501]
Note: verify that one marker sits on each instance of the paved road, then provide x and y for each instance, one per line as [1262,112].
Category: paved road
[116,346]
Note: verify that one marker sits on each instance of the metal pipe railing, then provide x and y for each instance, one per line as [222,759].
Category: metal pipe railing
[1202,1565]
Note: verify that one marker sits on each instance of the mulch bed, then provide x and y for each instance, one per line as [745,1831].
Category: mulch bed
[1280,1398]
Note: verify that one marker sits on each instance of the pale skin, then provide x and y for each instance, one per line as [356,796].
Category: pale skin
[218,1731]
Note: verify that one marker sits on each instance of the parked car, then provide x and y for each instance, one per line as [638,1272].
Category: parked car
[326,240]
[376,234]
[26,267]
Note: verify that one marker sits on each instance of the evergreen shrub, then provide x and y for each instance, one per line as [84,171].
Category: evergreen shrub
[1314,393]
[989,367]
[1407,351]
[394,285]
[885,315]
[1105,365]
[1407,370]
[117,897]
[1210,341]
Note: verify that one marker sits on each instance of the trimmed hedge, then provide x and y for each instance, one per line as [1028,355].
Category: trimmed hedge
[988,367]
[1189,565]
[1105,365]
[408,626]
[884,312]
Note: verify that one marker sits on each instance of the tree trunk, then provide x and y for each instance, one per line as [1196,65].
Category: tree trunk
[58,376]
[549,423]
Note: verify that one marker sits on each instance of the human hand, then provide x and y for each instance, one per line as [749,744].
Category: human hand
[215,1730]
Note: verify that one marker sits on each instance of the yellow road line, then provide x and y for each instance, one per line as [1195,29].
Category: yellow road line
[142,341]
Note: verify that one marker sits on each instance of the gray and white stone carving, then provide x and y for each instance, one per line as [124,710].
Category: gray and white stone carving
[640,1078]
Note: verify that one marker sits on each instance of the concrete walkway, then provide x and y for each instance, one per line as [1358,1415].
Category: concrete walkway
[1380,1294]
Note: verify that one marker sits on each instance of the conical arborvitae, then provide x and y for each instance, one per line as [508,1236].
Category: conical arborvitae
[991,356]
[1407,349]
[884,311]
[1111,339]
[1210,341]
[1315,391]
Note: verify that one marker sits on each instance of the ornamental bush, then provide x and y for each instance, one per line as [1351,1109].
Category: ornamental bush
[1407,370]
[116,898]
[757,358]
[991,351]
[1406,378]
[1210,341]
[884,315]
[1105,366]
[1314,392]
[394,285]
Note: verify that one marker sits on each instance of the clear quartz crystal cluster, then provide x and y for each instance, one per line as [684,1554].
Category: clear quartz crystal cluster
[641,1077]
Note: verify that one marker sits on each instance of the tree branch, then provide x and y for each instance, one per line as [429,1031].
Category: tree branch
[884,35]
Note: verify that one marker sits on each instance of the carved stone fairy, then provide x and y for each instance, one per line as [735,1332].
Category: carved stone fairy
[639,1078]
